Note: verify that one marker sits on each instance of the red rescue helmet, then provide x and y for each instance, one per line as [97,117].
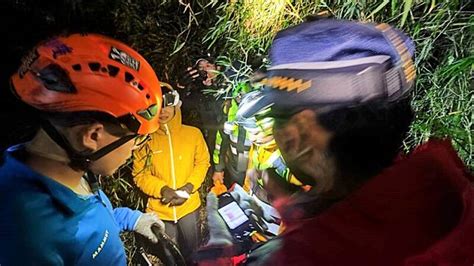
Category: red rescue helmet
[91,72]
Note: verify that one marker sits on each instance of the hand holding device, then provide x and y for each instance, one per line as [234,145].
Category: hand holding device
[240,226]
[167,195]
[174,197]
[250,206]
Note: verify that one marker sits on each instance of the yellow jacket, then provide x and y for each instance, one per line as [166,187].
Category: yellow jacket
[172,160]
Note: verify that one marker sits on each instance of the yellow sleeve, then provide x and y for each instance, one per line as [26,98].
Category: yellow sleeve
[148,183]
[201,163]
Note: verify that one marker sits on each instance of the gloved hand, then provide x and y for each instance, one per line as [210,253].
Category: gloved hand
[188,77]
[249,205]
[178,201]
[168,194]
[188,188]
[219,235]
[144,224]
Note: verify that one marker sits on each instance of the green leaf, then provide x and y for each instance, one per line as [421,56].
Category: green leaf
[178,48]
[406,10]
[378,8]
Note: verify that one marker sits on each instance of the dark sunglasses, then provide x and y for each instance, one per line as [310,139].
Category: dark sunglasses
[139,140]
[132,123]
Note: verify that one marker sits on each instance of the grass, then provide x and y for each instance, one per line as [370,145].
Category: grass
[444,95]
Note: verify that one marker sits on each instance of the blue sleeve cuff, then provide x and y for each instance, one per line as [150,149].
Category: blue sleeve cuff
[126,218]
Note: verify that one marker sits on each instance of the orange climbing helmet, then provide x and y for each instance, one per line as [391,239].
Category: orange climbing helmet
[91,72]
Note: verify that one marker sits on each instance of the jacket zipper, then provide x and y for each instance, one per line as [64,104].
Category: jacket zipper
[173,175]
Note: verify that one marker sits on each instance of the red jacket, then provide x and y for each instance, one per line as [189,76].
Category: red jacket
[420,211]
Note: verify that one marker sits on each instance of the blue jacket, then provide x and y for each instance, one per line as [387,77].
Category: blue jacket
[45,223]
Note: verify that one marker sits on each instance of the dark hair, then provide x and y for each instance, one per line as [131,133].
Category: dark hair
[367,138]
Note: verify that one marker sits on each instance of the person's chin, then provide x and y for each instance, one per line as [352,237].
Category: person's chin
[103,173]
[106,171]
[111,172]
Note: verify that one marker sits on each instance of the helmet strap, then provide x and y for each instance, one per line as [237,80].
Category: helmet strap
[78,160]
[110,147]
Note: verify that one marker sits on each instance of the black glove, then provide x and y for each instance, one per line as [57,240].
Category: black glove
[168,194]
[188,188]
[189,76]
[192,75]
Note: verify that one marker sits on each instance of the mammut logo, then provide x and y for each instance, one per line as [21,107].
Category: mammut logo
[124,58]
[102,244]
[285,83]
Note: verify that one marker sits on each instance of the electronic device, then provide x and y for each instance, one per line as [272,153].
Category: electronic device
[240,225]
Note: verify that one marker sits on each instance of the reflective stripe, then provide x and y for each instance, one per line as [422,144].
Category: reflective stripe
[234,151]
[229,127]
[378,59]
[275,155]
[247,142]
[267,162]
[233,138]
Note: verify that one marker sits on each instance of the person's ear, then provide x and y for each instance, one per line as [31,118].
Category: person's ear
[92,136]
